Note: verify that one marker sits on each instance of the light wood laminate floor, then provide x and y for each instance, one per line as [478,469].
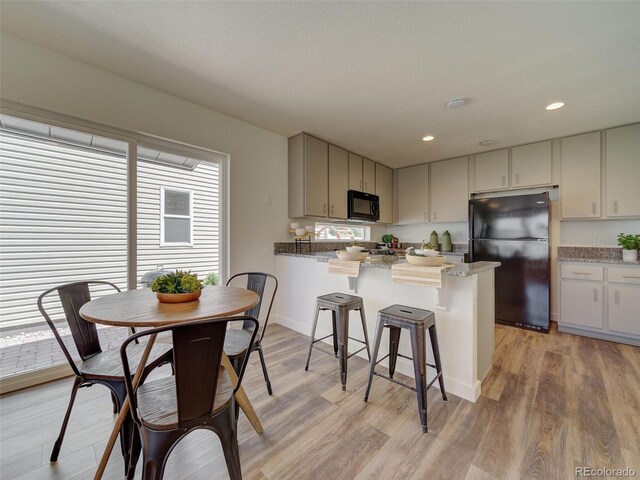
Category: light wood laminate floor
[552,403]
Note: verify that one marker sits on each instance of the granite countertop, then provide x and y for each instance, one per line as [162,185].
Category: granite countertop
[592,254]
[458,269]
[598,260]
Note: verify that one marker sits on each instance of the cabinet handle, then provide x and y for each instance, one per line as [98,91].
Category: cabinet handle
[435,214]
[593,207]
[582,273]
[324,208]
[617,297]
[517,178]
[630,276]
[615,206]
[361,185]
[331,209]
[595,294]
[504,180]
[366,186]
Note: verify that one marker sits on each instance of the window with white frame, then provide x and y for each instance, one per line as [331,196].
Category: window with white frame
[341,231]
[176,207]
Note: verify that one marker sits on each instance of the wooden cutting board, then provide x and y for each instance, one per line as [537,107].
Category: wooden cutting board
[408,274]
[348,268]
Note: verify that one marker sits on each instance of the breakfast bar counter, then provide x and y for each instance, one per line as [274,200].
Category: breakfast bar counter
[464,309]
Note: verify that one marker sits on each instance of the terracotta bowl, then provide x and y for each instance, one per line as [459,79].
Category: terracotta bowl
[178,297]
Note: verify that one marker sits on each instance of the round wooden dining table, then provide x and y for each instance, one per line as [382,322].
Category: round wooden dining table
[140,308]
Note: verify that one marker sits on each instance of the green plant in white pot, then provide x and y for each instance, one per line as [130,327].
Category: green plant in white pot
[630,244]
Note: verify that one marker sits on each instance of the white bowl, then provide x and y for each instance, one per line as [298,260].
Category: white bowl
[300,231]
[426,261]
[427,253]
[354,249]
[352,256]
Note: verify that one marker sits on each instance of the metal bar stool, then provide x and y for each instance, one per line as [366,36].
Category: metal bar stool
[416,321]
[340,305]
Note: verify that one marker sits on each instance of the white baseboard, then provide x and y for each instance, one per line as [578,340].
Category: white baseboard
[461,389]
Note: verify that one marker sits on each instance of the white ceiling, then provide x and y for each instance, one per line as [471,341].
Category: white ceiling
[373,77]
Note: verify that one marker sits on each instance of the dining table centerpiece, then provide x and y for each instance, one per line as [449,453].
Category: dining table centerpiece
[177,287]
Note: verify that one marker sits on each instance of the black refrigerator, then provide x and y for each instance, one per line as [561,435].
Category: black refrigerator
[515,231]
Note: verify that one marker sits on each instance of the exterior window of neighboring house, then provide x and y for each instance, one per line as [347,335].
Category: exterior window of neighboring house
[176,217]
[341,231]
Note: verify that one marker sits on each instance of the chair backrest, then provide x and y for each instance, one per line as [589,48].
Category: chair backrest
[257,282]
[85,335]
[197,354]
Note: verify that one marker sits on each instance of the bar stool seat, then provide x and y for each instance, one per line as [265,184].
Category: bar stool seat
[416,320]
[340,304]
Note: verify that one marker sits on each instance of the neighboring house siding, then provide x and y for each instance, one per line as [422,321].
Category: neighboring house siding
[203,257]
[63,218]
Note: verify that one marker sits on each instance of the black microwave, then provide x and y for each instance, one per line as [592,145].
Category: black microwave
[363,206]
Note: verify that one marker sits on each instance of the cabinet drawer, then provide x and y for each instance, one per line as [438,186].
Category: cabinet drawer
[624,275]
[582,272]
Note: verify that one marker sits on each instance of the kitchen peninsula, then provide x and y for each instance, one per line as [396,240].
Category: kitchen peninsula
[464,319]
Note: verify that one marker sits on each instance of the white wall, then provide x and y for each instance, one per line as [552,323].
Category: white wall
[38,77]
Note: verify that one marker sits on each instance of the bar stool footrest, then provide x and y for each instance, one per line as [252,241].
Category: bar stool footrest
[394,381]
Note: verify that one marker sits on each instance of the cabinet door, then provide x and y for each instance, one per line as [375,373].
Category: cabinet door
[492,171]
[449,190]
[384,189]
[623,171]
[316,177]
[338,181]
[413,195]
[580,185]
[624,305]
[531,165]
[355,172]
[369,175]
[581,303]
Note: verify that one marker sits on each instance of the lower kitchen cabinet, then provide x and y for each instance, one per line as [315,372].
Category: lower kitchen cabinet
[624,308]
[601,301]
[582,303]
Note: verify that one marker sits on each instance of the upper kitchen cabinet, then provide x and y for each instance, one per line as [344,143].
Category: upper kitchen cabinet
[412,194]
[623,171]
[580,176]
[308,176]
[355,172]
[449,190]
[531,165]
[338,181]
[368,176]
[492,171]
[384,190]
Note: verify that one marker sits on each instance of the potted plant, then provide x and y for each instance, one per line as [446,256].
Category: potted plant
[387,239]
[212,279]
[177,287]
[630,244]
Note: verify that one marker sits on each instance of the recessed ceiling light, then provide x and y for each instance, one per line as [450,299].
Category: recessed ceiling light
[487,142]
[555,106]
[428,138]
[456,103]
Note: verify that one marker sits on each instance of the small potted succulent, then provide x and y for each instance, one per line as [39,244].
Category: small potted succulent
[630,244]
[177,287]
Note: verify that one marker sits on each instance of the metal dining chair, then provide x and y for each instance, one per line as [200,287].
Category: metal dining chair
[199,396]
[238,341]
[97,366]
